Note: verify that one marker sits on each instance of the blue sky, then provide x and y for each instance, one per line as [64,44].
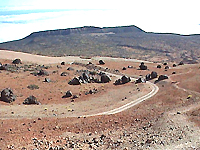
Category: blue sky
[19,18]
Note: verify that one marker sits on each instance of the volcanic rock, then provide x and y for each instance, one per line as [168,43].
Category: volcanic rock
[174,65]
[148,77]
[154,74]
[165,63]
[140,80]
[142,66]
[105,78]
[31,100]
[124,68]
[159,66]
[70,69]
[68,94]
[167,67]
[7,95]
[74,81]
[181,63]
[130,66]
[62,63]
[101,62]
[85,76]
[125,79]
[47,80]
[64,74]
[43,73]
[162,77]
[17,61]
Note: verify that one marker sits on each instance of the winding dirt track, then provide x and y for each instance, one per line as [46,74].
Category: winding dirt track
[44,59]
[131,104]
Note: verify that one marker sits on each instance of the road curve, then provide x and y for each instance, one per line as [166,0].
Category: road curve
[154,90]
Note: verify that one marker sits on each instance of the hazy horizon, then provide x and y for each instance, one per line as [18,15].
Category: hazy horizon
[19,19]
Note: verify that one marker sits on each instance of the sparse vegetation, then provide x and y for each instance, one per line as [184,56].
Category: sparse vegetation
[33,87]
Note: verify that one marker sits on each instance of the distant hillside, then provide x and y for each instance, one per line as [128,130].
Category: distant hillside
[125,41]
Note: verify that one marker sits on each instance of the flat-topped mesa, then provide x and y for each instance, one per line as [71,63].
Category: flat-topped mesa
[80,30]
[85,30]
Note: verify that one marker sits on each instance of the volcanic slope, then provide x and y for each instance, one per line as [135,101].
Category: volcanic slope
[125,41]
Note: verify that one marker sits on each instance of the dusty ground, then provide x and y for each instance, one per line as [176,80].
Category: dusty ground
[168,120]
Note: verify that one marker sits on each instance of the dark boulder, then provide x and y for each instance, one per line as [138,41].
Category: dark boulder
[173,72]
[162,77]
[105,78]
[70,69]
[31,100]
[142,66]
[124,68]
[47,80]
[165,63]
[174,65]
[85,76]
[154,74]
[101,62]
[3,67]
[75,96]
[159,66]
[140,80]
[148,77]
[17,61]
[181,63]
[130,66]
[74,81]
[125,79]
[64,74]
[7,95]
[43,73]
[68,94]
[59,67]
[62,63]
[117,82]
[166,67]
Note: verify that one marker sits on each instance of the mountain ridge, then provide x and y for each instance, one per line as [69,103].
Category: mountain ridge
[122,41]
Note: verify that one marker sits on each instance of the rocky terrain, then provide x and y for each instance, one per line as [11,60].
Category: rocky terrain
[62,103]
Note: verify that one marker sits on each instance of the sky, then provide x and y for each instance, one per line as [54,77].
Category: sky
[19,18]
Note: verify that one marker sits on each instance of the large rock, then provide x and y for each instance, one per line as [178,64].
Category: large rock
[70,69]
[140,80]
[162,77]
[159,66]
[7,95]
[117,82]
[142,66]
[3,67]
[154,74]
[166,67]
[64,74]
[85,76]
[148,77]
[101,62]
[68,94]
[43,73]
[62,63]
[125,79]
[181,63]
[31,100]
[17,61]
[105,78]
[74,81]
